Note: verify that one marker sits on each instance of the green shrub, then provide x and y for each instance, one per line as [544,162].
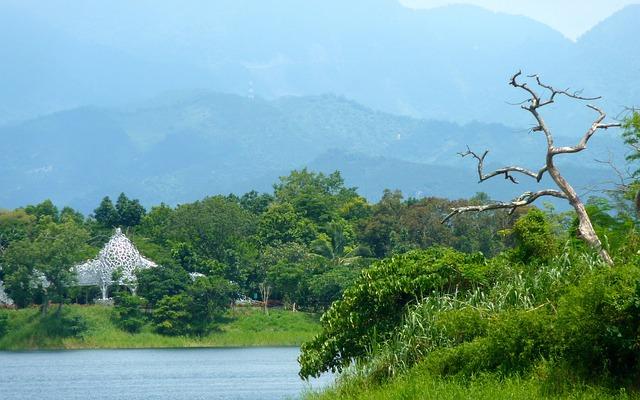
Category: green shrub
[424,331]
[599,323]
[514,342]
[166,280]
[534,238]
[4,324]
[127,313]
[208,297]
[64,325]
[171,315]
[373,307]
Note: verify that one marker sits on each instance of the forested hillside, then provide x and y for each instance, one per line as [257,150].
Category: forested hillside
[181,147]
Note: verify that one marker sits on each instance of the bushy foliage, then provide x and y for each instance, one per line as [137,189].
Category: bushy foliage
[631,136]
[374,305]
[572,313]
[64,325]
[193,310]
[209,297]
[165,280]
[534,237]
[171,315]
[599,323]
[4,324]
[126,212]
[127,313]
[514,342]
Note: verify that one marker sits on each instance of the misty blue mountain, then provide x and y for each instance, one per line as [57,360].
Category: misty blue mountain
[448,63]
[172,101]
[182,147]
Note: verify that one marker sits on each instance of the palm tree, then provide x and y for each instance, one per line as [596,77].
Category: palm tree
[335,249]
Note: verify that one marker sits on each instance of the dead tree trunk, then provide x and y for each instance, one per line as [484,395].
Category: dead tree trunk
[265,291]
[532,104]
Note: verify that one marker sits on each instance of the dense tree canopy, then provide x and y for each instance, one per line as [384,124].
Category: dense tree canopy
[307,242]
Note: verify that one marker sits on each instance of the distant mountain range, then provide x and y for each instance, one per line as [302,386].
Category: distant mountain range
[450,63]
[181,147]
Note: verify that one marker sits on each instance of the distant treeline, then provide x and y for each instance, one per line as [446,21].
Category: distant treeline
[306,241]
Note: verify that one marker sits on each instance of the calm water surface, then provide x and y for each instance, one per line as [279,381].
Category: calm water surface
[237,373]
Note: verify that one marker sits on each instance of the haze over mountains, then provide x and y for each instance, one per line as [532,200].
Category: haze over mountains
[181,148]
[288,68]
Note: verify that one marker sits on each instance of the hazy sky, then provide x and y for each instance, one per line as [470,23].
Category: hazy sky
[571,17]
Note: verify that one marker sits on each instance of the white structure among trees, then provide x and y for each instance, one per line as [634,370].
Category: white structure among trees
[119,256]
[5,300]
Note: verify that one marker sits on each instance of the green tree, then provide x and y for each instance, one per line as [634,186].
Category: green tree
[209,297]
[289,281]
[14,225]
[106,214]
[211,226]
[373,306]
[44,261]
[18,270]
[328,286]
[70,213]
[534,238]
[377,231]
[171,315]
[631,136]
[336,246]
[130,211]
[156,225]
[165,280]
[281,224]
[58,248]
[255,202]
[315,196]
[127,312]
[44,209]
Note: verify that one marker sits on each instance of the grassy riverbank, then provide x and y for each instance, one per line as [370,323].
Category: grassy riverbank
[241,327]
[418,384]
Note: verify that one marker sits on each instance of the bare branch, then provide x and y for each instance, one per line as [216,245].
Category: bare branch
[506,171]
[585,227]
[535,99]
[622,176]
[518,103]
[522,200]
[554,92]
[597,124]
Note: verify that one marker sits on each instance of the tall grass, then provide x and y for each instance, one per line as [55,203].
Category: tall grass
[418,384]
[427,326]
[453,328]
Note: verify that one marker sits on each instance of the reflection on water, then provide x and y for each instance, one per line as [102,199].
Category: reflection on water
[236,373]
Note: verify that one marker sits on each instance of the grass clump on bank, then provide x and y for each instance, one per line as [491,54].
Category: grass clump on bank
[28,330]
[437,323]
[418,384]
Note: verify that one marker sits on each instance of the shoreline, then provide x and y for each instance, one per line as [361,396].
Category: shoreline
[240,328]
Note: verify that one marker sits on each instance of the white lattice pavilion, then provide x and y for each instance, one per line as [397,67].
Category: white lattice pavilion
[118,255]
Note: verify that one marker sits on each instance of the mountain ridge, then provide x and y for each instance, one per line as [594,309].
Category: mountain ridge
[432,64]
[180,150]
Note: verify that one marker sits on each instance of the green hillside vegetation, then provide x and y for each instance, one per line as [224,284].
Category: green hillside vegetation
[304,243]
[93,328]
[547,318]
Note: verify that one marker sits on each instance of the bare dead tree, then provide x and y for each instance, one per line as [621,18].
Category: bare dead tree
[564,190]
[265,291]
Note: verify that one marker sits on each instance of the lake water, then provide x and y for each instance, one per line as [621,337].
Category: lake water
[236,373]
